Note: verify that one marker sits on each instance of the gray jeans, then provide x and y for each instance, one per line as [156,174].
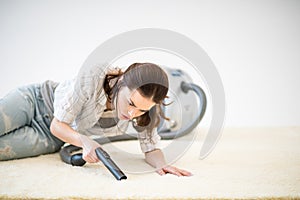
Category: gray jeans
[25,125]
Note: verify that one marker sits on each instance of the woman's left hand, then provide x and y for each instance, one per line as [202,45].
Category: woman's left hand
[173,170]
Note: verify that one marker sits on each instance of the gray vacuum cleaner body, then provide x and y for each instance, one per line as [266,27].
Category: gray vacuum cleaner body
[184,105]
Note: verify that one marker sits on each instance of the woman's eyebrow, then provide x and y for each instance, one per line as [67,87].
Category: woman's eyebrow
[136,107]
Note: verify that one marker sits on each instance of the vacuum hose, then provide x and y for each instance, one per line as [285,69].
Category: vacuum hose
[186,87]
[76,159]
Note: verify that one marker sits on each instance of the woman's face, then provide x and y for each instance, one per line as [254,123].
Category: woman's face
[131,104]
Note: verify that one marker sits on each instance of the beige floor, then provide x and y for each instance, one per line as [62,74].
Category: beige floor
[246,163]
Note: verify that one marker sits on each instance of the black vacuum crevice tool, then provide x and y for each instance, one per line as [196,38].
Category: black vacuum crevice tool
[109,164]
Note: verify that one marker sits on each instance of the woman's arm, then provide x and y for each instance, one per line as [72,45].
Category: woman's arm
[64,132]
[157,160]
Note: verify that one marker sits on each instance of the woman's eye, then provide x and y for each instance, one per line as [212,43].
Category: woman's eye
[131,104]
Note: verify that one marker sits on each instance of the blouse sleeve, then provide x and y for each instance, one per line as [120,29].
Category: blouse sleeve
[148,142]
[70,96]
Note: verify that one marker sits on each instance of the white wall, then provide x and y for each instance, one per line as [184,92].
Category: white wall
[254,45]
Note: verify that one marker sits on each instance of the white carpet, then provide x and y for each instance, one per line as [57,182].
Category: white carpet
[246,163]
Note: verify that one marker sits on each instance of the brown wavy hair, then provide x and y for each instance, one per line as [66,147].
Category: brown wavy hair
[150,81]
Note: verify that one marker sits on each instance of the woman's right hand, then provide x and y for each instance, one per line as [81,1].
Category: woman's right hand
[64,132]
[88,147]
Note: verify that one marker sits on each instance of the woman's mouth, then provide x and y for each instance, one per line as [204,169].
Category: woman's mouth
[125,117]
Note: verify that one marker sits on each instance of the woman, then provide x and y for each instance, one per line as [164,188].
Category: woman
[40,118]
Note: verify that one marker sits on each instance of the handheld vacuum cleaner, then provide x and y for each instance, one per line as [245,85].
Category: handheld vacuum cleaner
[185,113]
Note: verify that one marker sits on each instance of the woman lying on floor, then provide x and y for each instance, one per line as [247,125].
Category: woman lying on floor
[39,118]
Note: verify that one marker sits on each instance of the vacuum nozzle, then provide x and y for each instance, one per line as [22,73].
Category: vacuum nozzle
[109,164]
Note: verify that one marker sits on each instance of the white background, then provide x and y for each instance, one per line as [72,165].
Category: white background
[255,46]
